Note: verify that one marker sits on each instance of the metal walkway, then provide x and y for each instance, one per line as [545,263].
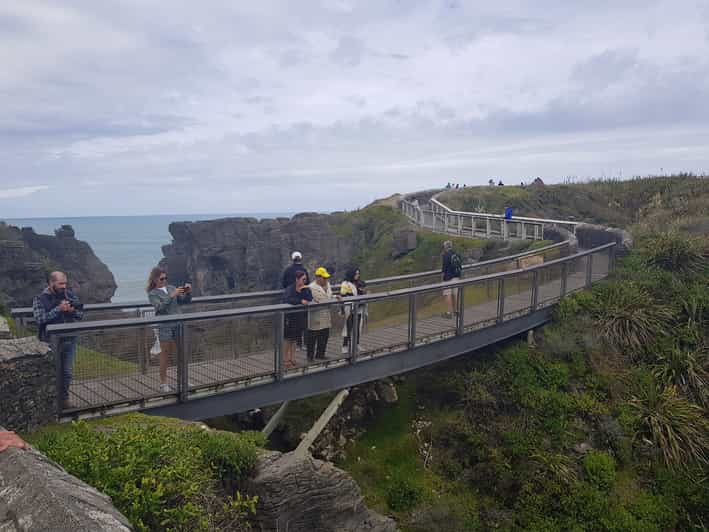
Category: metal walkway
[230,359]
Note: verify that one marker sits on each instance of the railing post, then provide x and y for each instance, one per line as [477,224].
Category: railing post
[589,270]
[354,337]
[487,227]
[501,300]
[279,323]
[564,272]
[142,348]
[182,363]
[54,342]
[412,321]
[611,258]
[535,290]
[460,317]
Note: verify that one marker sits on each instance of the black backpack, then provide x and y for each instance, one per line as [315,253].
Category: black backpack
[456,264]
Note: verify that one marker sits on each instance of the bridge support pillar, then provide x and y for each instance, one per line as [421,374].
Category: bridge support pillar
[530,339]
[321,423]
[275,419]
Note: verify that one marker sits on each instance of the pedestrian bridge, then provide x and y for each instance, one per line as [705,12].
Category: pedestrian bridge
[229,356]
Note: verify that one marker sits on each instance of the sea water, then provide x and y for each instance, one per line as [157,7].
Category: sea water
[129,245]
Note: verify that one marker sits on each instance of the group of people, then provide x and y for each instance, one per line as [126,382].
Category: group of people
[304,329]
[312,328]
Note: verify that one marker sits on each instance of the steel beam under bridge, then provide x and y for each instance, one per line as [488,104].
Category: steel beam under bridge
[365,370]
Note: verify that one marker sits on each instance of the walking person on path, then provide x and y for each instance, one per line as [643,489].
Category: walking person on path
[58,304]
[353,285]
[296,322]
[319,321]
[166,299]
[452,269]
[288,278]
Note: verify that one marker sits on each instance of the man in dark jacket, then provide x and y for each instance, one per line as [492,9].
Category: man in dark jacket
[289,279]
[58,304]
[451,270]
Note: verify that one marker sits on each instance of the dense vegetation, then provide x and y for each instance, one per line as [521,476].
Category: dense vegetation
[162,474]
[602,426]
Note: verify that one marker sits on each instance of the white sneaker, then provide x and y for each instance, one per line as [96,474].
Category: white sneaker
[165,388]
[345,349]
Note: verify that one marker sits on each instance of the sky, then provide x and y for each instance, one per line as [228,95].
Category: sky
[129,107]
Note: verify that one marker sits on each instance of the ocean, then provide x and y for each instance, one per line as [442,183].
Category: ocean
[128,245]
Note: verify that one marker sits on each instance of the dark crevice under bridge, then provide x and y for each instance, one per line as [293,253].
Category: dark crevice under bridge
[229,356]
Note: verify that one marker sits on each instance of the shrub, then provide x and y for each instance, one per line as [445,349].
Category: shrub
[160,476]
[627,317]
[676,426]
[685,369]
[402,494]
[600,469]
[675,252]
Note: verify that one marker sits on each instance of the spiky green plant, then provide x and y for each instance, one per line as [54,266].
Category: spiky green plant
[685,369]
[628,318]
[676,252]
[677,427]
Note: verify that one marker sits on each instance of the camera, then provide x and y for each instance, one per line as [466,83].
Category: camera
[76,305]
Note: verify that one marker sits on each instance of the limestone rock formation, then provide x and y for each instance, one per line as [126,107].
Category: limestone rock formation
[26,257]
[301,493]
[37,494]
[245,254]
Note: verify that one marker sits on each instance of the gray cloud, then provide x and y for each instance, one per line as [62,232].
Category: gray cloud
[226,107]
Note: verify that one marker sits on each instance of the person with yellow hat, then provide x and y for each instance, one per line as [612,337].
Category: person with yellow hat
[319,321]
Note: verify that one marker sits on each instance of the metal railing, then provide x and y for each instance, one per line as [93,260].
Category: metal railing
[224,350]
[102,311]
[440,218]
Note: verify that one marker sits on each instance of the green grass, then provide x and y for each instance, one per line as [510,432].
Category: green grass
[90,364]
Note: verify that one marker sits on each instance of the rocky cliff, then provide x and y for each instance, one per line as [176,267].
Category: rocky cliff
[243,254]
[27,257]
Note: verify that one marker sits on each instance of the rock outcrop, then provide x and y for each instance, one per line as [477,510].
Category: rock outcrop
[27,257]
[27,384]
[301,493]
[37,494]
[244,254]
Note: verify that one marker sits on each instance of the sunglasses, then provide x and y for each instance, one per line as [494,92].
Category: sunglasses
[163,278]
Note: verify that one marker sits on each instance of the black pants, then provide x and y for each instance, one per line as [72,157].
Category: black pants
[316,342]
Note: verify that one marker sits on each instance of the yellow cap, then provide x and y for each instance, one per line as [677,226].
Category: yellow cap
[322,272]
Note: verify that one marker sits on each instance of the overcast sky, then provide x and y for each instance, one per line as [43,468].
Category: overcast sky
[141,106]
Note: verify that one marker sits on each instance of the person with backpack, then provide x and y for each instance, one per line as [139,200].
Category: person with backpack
[452,269]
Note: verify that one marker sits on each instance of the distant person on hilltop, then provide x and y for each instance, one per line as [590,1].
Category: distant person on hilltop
[500,183]
[452,269]
[288,279]
[165,298]
[296,322]
[58,304]
[319,321]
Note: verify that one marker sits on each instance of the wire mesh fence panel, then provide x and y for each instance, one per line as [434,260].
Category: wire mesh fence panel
[576,274]
[549,291]
[112,366]
[480,304]
[434,320]
[229,349]
[385,326]
[601,264]
[518,294]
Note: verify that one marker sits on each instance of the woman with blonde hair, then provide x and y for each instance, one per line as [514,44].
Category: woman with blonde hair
[165,299]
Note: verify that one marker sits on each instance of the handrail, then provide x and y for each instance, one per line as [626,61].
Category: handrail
[66,329]
[500,216]
[23,312]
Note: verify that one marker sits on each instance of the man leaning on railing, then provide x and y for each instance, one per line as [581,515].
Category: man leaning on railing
[58,304]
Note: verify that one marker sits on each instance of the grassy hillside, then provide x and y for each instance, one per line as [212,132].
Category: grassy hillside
[602,426]
[681,200]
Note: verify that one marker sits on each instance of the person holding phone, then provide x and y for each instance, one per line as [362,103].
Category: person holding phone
[59,304]
[166,299]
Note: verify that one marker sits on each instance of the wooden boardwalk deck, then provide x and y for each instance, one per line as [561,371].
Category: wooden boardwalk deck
[215,371]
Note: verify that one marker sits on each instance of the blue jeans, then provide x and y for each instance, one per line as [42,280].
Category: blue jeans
[67,350]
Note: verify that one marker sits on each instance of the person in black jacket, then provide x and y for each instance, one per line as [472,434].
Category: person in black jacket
[451,270]
[58,304]
[288,279]
[296,322]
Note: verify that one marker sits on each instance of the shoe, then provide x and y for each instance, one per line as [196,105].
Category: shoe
[165,388]
[448,315]
[324,357]
[345,349]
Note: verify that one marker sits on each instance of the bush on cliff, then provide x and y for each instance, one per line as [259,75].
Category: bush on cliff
[161,474]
